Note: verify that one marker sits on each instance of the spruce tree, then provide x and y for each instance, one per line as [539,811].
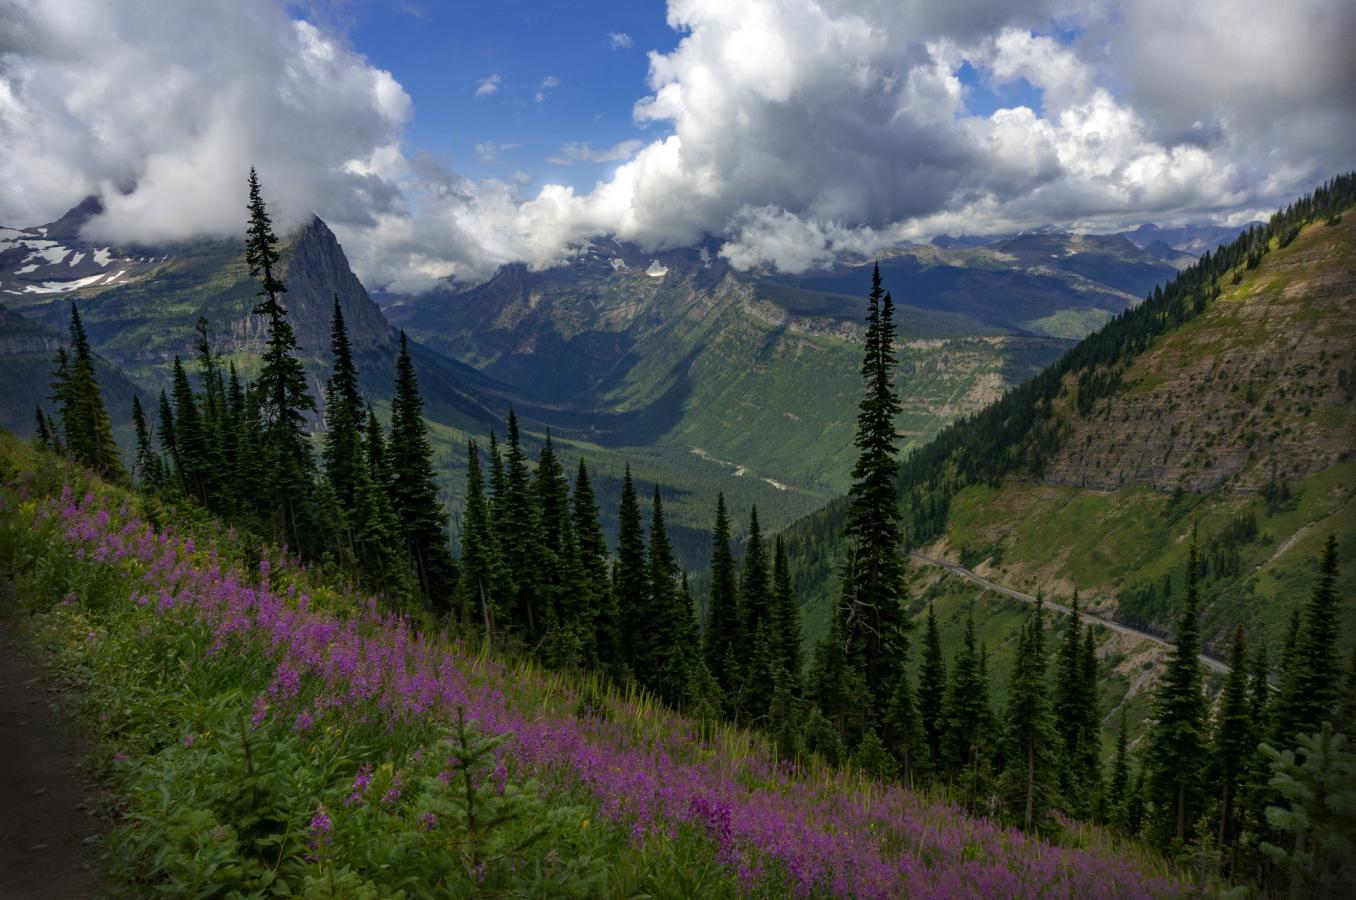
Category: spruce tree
[755,598]
[1315,685]
[630,578]
[169,446]
[1234,742]
[932,690]
[1069,709]
[479,570]
[147,461]
[836,688]
[88,429]
[870,609]
[722,619]
[662,646]
[786,616]
[552,495]
[904,735]
[1029,782]
[213,421]
[414,491]
[1089,758]
[1114,800]
[967,742]
[344,416]
[1176,754]
[41,435]
[605,646]
[520,539]
[280,391]
[190,439]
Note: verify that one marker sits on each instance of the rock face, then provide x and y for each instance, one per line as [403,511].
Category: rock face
[316,271]
[1260,385]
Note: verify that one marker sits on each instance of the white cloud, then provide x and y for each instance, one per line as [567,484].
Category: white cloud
[798,129]
[488,85]
[575,151]
[619,40]
[489,151]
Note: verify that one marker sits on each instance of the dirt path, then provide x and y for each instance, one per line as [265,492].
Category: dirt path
[1209,662]
[48,805]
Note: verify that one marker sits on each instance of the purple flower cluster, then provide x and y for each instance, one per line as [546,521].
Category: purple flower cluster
[649,770]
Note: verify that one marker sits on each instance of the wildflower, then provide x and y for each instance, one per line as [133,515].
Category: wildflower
[392,794]
[360,783]
[189,739]
[427,821]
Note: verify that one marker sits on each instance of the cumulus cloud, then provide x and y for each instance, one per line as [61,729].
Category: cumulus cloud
[488,85]
[619,40]
[795,129]
[576,151]
[161,111]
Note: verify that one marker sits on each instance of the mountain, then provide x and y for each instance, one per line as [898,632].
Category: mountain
[1223,406]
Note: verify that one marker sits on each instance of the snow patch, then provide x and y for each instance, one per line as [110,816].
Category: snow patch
[777,484]
[656,270]
[618,265]
[75,258]
[115,276]
[26,269]
[103,256]
[61,287]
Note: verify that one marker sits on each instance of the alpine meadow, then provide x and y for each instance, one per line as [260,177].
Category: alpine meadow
[678,449]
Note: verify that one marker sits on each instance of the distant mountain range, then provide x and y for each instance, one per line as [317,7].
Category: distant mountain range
[704,377]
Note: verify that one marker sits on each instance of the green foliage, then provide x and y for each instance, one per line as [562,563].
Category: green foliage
[1318,813]
[1029,783]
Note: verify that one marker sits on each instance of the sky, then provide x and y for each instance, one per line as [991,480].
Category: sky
[445,139]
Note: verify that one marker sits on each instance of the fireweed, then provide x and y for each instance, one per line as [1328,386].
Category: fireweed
[341,662]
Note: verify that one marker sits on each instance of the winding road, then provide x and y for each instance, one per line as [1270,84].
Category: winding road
[1210,662]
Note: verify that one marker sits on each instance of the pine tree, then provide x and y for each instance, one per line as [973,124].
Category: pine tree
[1346,718]
[344,416]
[904,734]
[662,646]
[1114,800]
[837,686]
[1318,808]
[932,691]
[190,440]
[479,568]
[552,495]
[1233,742]
[41,435]
[755,599]
[1315,685]
[1029,782]
[606,638]
[520,538]
[966,747]
[873,618]
[414,490]
[784,721]
[630,578]
[1069,709]
[786,616]
[84,419]
[213,421]
[169,445]
[147,461]
[722,621]
[1089,759]
[1176,753]
[280,391]
[874,759]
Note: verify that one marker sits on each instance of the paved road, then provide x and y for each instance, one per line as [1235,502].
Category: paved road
[1209,662]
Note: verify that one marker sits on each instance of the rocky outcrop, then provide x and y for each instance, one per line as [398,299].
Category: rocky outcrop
[1260,385]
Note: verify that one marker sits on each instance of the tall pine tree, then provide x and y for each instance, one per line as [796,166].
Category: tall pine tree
[932,690]
[873,620]
[630,577]
[423,522]
[1029,782]
[1176,755]
[722,611]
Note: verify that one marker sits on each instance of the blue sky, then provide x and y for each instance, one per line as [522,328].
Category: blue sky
[441,52]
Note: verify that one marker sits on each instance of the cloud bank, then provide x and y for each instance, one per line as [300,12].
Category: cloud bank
[797,129]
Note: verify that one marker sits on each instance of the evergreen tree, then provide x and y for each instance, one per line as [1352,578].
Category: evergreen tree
[1114,800]
[414,491]
[1069,709]
[520,538]
[722,620]
[41,435]
[169,445]
[872,616]
[932,691]
[1176,752]
[837,687]
[1314,688]
[147,461]
[630,577]
[1318,810]
[1346,718]
[480,566]
[606,639]
[822,738]
[190,439]
[87,429]
[375,529]
[213,421]
[784,721]
[552,492]
[755,599]
[1233,742]
[344,416]
[786,616]
[874,759]
[966,745]
[662,646]
[280,391]
[904,734]
[1029,782]
[1089,759]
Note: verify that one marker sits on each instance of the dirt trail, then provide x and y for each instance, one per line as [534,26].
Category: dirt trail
[48,805]
[1209,662]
